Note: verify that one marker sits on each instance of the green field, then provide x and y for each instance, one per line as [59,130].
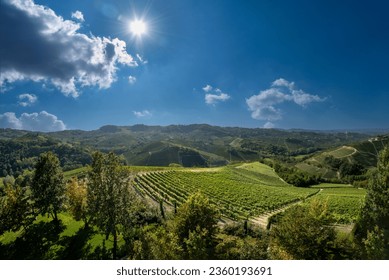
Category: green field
[344,201]
[44,241]
[75,172]
[238,191]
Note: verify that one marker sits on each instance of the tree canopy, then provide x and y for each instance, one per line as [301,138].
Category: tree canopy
[108,195]
[48,185]
[375,213]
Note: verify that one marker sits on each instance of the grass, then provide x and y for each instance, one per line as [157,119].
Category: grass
[258,168]
[44,240]
[75,172]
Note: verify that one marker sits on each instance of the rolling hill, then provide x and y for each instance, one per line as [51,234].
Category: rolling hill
[361,153]
[187,145]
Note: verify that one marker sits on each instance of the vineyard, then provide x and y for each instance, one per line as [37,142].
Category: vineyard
[239,192]
[344,201]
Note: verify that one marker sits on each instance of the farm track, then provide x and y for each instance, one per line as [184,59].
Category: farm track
[263,220]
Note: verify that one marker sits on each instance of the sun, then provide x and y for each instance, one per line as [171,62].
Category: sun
[138,27]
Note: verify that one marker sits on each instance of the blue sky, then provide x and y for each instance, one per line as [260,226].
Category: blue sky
[283,64]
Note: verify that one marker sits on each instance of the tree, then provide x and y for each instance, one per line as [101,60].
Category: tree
[48,185]
[108,195]
[14,208]
[76,192]
[375,213]
[305,233]
[196,217]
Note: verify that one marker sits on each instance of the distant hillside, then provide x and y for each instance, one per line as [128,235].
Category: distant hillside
[187,145]
[228,142]
[19,151]
[328,163]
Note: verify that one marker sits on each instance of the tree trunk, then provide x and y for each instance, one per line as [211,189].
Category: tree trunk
[115,244]
[56,221]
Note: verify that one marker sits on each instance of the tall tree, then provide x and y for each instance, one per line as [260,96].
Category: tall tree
[195,225]
[375,213]
[108,195]
[48,185]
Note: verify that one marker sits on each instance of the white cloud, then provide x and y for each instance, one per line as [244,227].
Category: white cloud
[301,98]
[9,120]
[50,49]
[78,16]
[207,88]
[131,80]
[269,125]
[283,83]
[214,96]
[27,99]
[141,59]
[42,121]
[263,105]
[142,114]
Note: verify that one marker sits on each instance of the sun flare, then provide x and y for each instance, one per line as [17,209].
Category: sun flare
[138,27]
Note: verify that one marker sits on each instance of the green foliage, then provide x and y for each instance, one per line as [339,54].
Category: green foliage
[44,239]
[76,192]
[48,186]
[195,226]
[375,212]
[305,233]
[239,241]
[344,202]
[333,162]
[156,243]
[8,180]
[375,244]
[296,177]
[108,195]
[21,152]
[14,208]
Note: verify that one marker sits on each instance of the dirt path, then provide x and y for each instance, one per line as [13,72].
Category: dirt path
[263,220]
[348,148]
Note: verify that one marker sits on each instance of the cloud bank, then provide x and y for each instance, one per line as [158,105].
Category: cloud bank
[264,105]
[213,96]
[42,121]
[40,46]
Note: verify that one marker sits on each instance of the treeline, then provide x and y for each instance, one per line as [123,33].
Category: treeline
[294,176]
[22,153]
[348,172]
